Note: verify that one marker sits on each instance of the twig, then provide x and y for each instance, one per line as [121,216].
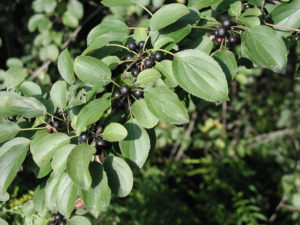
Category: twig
[283,28]
[187,135]
[224,112]
[278,207]
[67,42]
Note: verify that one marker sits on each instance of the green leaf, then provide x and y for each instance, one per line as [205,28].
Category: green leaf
[39,200]
[147,76]
[96,44]
[12,155]
[203,3]
[114,132]
[70,20]
[8,130]
[31,89]
[59,161]
[12,104]
[51,190]
[34,21]
[14,62]
[97,198]
[249,21]
[143,115]
[92,112]
[3,222]
[66,196]
[259,43]
[259,3]
[28,208]
[252,12]
[76,8]
[113,3]
[44,146]
[165,68]
[79,220]
[92,71]
[15,75]
[166,106]
[287,15]
[172,12]
[58,94]
[136,146]
[200,75]
[113,30]
[78,165]
[235,9]
[227,61]
[111,61]
[49,52]
[65,66]
[119,174]
[49,5]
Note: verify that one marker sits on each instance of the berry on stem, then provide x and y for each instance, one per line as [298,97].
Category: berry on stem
[215,32]
[57,217]
[138,94]
[58,111]
[141,45]
[149,63]
[158,56]
[102,144]
[222,32]
[52,223]
[117,94]
[128,56]
[83,137]
[219,40]
[61,222]
[135,72]
[226,22]
[12,118]
[124,90]
[56,124]
[132,46]
[232,39]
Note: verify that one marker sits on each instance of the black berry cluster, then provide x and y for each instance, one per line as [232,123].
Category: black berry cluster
[227,32]
[57,124]
[100,143]
[58,219]
[125,91]
[141,61]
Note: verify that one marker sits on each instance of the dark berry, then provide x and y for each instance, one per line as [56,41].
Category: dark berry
[219,40]
[141,45]
[52,213]
[83,137]
[221,32]
[58,111]
[138,94]
[129,56]
[240,31]
[135,72]
[61,222]
[57,217]
[56,124]
[158,56]
[102,144]
[232,39]
[12,118]
[226,22]
[215,32]
[120,104]
[149,63]
[124,90]
[49,120]
[21,117]
[116,94]
[248,6]
[52,223]
[132,46]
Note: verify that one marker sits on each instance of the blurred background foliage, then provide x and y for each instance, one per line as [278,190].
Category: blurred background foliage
[235,163]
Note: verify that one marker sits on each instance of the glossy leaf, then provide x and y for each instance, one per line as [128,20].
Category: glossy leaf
[97,197]
[58,94]
[66,196]
[59,161]
[14,76]
[39,199]
[44,146]
[171,11]
[114,132]
[227,61]
[51,190]
[113,3]
[200,75]
[8,130]
[143,115]
[65,66]
[203,3]
[259,43]
[79,220]
[136,145]
[147,76]
[166,106]
[96,44]
[120,177]
[167,75]
[92,112]
[78,165]
[12,155]
[31,89]
[92,71]
[12,104]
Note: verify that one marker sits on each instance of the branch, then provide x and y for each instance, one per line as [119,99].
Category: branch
[67,42]
[187,135]
[278,207]
[283,28]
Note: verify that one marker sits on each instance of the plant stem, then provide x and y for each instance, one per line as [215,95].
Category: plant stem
[33,128]
[120,46]
[147,10]
[54,116]
[283,28]
[162,50]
